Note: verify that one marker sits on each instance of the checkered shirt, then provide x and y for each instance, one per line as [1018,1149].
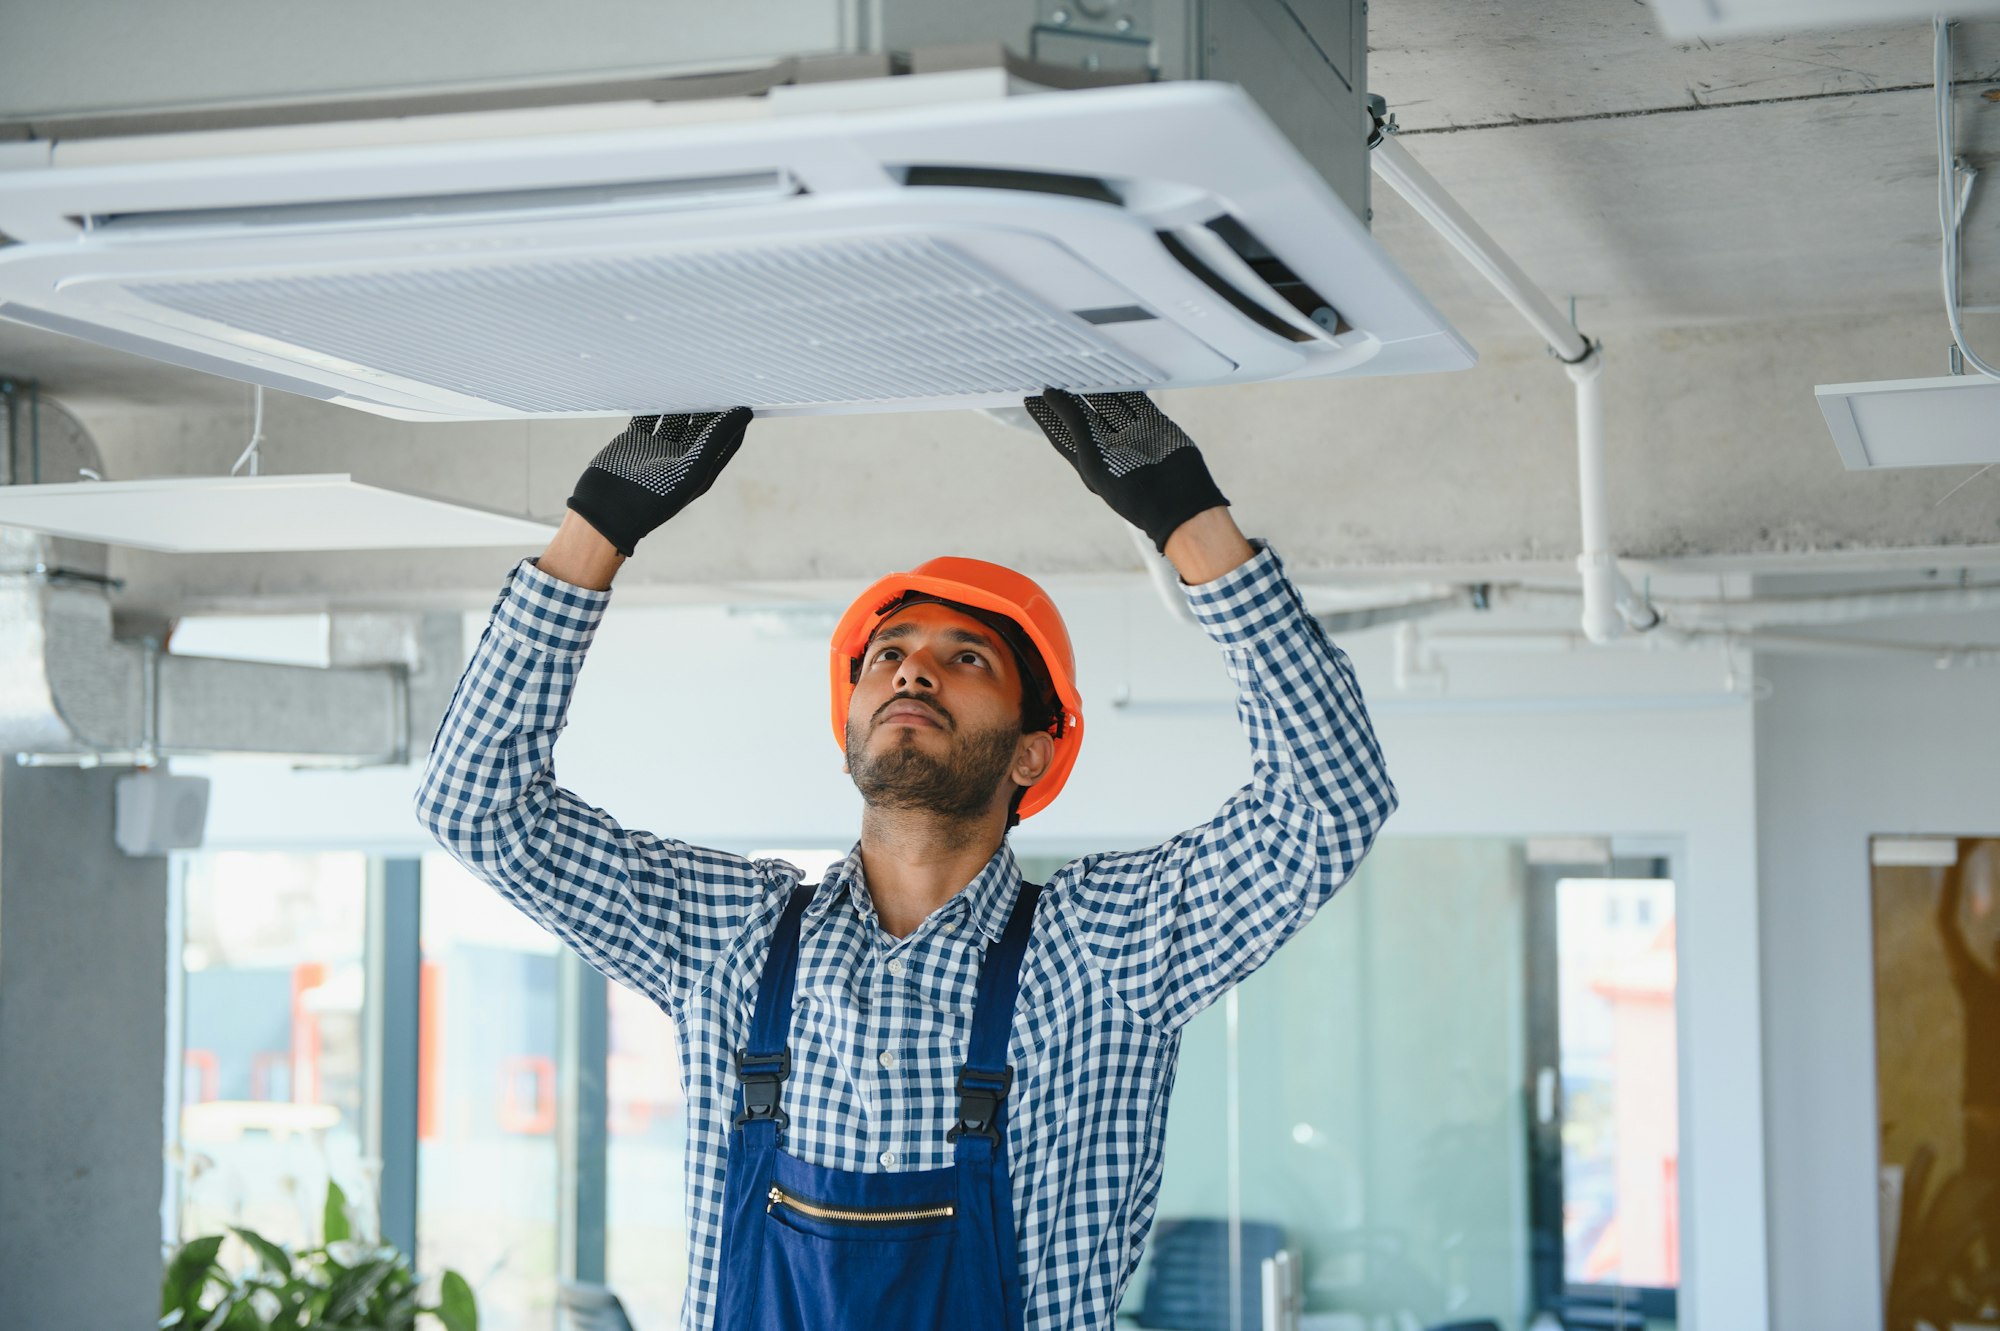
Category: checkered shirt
[1126,947]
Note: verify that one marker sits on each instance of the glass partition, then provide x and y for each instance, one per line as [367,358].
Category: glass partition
[645,1189]
[1370,1104]
[487,1192]
[272,1042]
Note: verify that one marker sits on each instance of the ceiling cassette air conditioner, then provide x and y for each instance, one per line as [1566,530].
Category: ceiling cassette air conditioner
[789,252]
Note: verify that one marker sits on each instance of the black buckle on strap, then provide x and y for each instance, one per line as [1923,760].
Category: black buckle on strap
[980,1095]
[762,1075]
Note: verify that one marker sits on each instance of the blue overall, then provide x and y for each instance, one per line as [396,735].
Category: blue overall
[812,1249]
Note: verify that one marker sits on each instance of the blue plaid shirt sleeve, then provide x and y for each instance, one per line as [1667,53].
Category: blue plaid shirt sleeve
[649,912]
[1174,926]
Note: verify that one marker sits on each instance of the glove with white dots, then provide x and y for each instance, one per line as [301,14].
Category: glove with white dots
[657,467]
[1131,456]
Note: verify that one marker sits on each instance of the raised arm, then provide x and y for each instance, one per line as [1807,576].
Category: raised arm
[650,912]
[1174,926]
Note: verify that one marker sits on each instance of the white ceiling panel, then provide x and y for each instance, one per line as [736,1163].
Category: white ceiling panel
[249,514]
[1945,422]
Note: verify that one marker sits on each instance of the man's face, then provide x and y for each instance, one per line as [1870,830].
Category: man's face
[935,721]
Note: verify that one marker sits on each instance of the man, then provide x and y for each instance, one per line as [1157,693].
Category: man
[923,1094]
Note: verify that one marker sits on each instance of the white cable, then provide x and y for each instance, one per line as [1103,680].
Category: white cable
[1952,201]
[249,453]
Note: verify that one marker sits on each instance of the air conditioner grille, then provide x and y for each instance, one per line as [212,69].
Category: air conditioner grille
[854,320]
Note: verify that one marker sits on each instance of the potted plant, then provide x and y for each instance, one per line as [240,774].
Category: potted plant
[343,1284]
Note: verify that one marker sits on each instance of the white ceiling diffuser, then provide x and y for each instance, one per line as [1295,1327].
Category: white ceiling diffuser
[244,514]
[1942,422]
[606,261]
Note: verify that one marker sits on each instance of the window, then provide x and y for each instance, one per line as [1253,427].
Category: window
[486,1099]
[272,1067]
[1603,1068]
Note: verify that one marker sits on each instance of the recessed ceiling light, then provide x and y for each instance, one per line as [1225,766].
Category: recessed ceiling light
[1952,421]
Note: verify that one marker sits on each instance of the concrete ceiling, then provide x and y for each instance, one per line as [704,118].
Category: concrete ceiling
[1663,185]
[1736,219]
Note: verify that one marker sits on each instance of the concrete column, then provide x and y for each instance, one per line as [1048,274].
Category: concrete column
[83,982]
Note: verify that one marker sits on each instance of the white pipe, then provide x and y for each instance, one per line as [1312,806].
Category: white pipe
[1834,608]
[1943,655]
[1699,614]
[1603,584]
[1609,605]
[1423,193]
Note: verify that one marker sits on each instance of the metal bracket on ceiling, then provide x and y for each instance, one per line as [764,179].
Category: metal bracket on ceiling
[1381,120]
[1095,35]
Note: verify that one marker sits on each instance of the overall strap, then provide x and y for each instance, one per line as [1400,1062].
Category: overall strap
[763,1065]
[985,1079]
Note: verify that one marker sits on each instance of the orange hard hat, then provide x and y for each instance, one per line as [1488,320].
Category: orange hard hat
[987,590]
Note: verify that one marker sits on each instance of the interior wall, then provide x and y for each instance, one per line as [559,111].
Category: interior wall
[1846,750]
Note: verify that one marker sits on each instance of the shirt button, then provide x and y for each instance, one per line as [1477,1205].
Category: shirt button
[888,1059]
[889,1158]
[896,966]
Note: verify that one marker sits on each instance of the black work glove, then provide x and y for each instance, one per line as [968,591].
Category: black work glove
[654,470]
[1131,456]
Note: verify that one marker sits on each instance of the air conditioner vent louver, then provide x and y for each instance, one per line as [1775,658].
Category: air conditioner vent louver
[662,195]
[887,319]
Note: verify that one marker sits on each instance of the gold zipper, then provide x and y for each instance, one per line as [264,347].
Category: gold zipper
[779,1197]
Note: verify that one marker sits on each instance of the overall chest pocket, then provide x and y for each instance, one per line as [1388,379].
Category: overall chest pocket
[857,1223]
[830,1268]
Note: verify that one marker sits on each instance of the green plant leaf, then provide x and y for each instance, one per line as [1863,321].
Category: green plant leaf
[455,1307]
[338,1229]
[398,1311]
[186,1275]
[243,1317]
[352,1290]
[275,1259]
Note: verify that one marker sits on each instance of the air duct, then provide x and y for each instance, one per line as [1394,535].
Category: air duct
[72,690]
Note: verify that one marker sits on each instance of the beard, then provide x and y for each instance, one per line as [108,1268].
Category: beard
[958,785]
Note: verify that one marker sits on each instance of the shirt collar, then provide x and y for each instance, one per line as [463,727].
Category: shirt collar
[984,903]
